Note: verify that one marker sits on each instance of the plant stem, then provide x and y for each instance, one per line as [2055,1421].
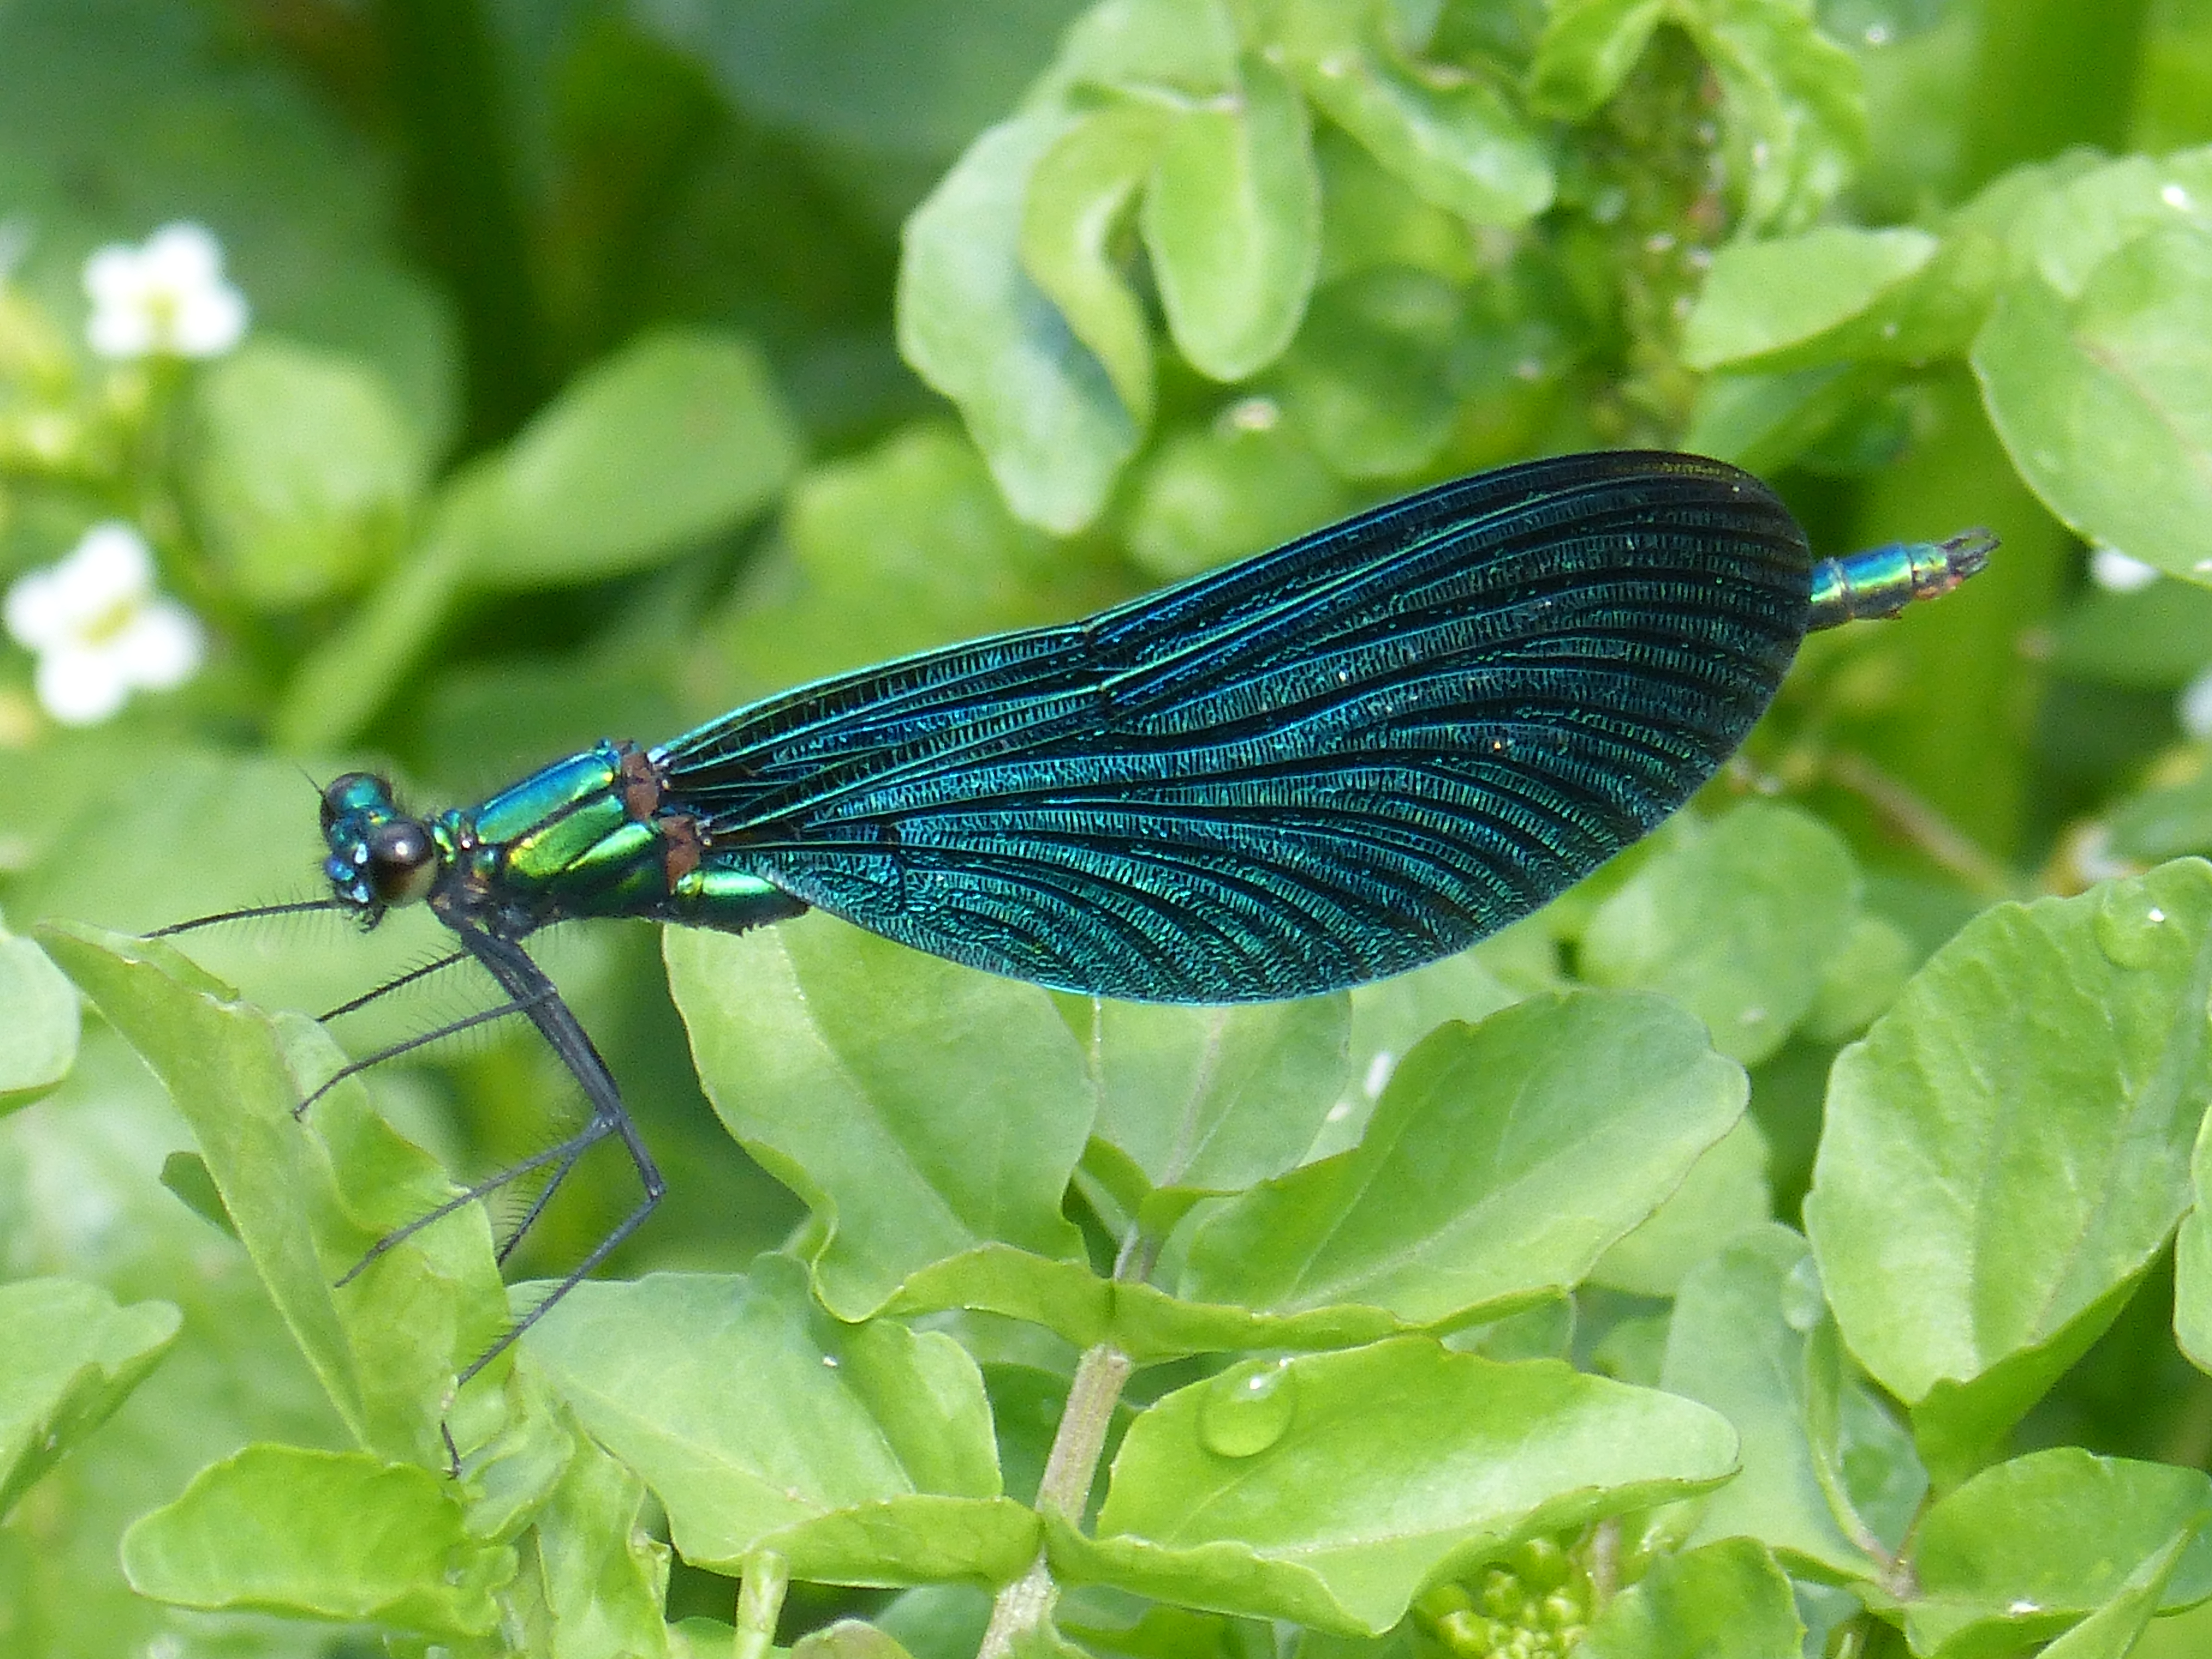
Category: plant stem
[1073,1464]
[760,1600]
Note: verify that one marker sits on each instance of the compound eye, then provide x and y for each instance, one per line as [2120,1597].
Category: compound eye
[350,793]
[403,861]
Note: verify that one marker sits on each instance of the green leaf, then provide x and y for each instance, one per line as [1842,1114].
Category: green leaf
[1861,980]
[911,78]
[2024,1550]
[75,1356]
[1211,1100]
[1258,1491]
[1244,483]
[1585,52]
[1232,221]
[1765,297]
[1726,1601]
[1143,1323]
[2082,216]
[918,1107]
[1726,1192]
[903,546]
[1390,1017]
[672,439]
[1795,108]
[2112,1631]
[37,1043]
[1077,199]
[2105,402]
[860,1453]
[1737,924]
[598,1581]
[309,1198]
[1502,1161]
[313,1534]
[303,469]
[2158,638]
[1369,382]
[1181,47]
[2008,1148]
[1449,136]
[339,686]
[973,325]
[848,1638]
[1764,422]
[2192,1258]
[1741,1342]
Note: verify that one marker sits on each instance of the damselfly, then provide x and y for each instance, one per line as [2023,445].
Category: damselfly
[1329,763]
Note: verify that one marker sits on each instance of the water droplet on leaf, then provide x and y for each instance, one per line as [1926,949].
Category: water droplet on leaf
[1246,1410]
[2132,930]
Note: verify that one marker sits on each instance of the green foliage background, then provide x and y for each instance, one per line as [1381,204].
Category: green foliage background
[1789,1241]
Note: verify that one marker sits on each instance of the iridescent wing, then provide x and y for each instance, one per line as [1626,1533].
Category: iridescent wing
[1330,763]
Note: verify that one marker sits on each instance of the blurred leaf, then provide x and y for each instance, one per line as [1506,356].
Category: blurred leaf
[2156,639]
[1448,135]
[848,1638]
[1587,49]
[2192,1258]
[2164,822]
[674,439]
[1726,1601]
[1741,1342]
[1861,980]
[1232,221]
[336,688]
[2103,403]
[2008,1149]
[75,1356]
[308,1201]
[975,325]
[2082,217]
[336,1535]
[1725,1193]
[303,470]
[862,1454]
[1795,109]
[919,1108]
[1211,1100]
[1188,46]
[1764,422]
[907,76]
[1078,197]
[1762,297]
[1256,1491]
[1737,924]
[37,1044]
[1236,487]
[2023,1550]
[1368,380]
[1501,1162]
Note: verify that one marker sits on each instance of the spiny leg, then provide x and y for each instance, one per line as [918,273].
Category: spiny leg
[411,976]
[354,1068]
[525,982]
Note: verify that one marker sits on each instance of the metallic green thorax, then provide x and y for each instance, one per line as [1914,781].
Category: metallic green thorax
[589,836]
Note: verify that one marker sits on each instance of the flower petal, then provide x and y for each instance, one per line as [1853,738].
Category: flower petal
[110,565]
[208,323]
[79,687]
[184,257]
[162,646]
[37,613]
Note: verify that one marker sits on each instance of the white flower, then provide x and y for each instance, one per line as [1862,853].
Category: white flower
[100,629]
[168,297]
[2118,573]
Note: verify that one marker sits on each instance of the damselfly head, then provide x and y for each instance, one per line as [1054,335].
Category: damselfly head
[379,856]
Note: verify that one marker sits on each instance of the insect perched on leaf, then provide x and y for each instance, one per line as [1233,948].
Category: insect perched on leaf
[1330,763]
